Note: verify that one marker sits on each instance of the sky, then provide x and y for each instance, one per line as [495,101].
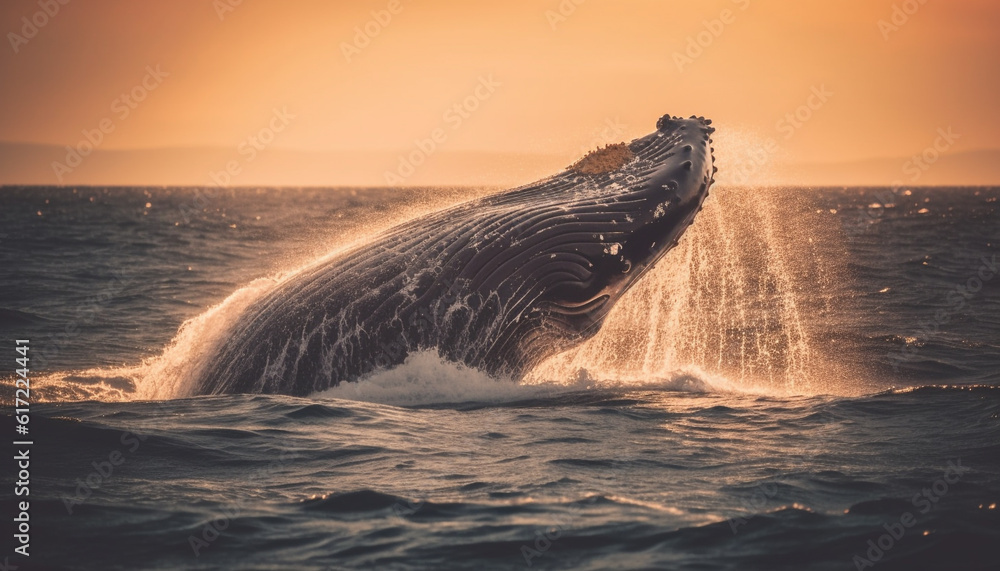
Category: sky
[867,78]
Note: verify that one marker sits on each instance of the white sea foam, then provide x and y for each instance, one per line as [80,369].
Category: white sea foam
[425,378]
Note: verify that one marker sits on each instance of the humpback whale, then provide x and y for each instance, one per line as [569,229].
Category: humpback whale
[498,283]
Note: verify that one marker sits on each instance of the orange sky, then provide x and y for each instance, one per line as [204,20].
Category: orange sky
[561,82]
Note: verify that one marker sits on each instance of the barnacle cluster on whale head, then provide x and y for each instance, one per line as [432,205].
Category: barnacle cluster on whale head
[605,159]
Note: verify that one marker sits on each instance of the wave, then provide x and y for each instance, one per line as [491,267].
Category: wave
[425,378]
[13,318]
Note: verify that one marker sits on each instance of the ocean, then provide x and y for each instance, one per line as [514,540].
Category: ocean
[810,380]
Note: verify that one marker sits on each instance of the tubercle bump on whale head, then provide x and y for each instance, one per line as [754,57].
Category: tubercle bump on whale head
[669,122]
[689,166]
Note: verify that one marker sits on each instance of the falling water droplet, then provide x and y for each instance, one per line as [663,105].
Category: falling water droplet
[732,299]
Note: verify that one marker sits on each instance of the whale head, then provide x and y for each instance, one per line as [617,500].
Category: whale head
[626,205]
[673,170]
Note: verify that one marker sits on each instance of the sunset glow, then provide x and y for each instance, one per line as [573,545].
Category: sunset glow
[563,76]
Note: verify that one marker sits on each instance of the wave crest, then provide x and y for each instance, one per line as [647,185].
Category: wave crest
[425,378]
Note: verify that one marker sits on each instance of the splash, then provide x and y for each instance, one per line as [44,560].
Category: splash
[735,300]
[169,375]
[426,378]
[731,308]
[172,373]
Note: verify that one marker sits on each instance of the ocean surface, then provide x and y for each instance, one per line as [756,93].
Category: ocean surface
[810,380]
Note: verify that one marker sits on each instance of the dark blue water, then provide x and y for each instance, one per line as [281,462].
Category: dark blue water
[889,456]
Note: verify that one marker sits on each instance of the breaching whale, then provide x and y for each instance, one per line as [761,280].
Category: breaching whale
[498,283]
